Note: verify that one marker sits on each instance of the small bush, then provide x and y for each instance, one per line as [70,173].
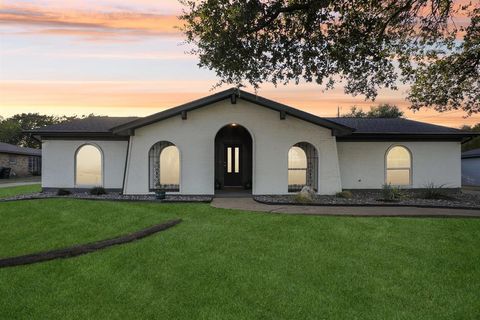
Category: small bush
[344,194]
[436,192]
[96,191]
[391,193]
[63,192]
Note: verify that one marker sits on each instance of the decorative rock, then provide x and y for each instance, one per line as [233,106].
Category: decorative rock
[308,191]
[371,197]
[307,194]
[113,196]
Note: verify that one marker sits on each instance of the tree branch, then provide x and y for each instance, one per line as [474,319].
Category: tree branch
[395,15]
[268,19]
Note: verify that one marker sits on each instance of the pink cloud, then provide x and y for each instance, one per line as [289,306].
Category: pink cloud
[89,25]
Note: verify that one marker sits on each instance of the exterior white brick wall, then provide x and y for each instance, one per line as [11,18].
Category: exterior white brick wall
[362,164]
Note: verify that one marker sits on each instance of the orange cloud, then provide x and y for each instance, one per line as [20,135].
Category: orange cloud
[90,25]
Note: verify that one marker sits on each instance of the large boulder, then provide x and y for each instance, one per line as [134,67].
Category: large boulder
[307,194]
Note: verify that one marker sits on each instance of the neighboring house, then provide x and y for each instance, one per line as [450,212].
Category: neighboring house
[471,168]
[237,139]
[18,161]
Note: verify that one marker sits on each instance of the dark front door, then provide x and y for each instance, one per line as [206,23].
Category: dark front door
[232,165]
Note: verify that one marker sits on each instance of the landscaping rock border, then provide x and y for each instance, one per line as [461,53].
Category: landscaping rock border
[371,198]
[112,197]
[85,248]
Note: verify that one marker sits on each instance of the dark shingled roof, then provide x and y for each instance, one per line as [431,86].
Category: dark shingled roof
[89,125]
[392,125]
[344,128]
[475,153]
[13,149]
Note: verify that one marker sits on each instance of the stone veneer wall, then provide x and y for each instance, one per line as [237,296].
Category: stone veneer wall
[20,168]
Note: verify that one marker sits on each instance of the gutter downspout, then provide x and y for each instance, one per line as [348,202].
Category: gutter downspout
[126,163]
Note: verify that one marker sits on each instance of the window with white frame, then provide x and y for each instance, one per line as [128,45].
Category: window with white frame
[88,167]
[398,166]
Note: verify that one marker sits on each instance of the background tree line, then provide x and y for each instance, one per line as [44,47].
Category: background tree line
[381,111]
[475,142]
[11,129]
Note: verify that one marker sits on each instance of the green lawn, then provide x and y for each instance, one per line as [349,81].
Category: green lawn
[12,191]
[222,264]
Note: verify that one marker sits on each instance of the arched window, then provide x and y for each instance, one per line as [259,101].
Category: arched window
[398,166]
[88,166]
[164,163]
[302,167]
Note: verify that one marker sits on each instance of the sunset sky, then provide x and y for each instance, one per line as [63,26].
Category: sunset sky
[122,58]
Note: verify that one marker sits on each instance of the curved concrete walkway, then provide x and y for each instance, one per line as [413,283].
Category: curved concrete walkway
[248,204]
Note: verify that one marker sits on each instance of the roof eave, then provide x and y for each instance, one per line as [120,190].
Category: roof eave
[189,106]
[453,136]
[44,135]
[22,153]
[337,129]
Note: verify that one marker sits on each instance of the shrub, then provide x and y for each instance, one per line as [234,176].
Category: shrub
[96,191]
[344,194]
[437,192]
[391,193]
[63,192]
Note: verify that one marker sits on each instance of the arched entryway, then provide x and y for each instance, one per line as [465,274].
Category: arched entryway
[233,159]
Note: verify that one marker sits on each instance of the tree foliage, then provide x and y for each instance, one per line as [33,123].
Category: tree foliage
[365,44]
[355,112]
[385,111]
[11,129]
[451,81]
[380,111]
[475,142]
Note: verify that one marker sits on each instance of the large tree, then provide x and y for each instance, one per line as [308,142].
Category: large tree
[451,80]
[365,44]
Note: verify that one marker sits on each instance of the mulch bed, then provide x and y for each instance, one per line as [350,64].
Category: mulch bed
[458,200]
[85,248]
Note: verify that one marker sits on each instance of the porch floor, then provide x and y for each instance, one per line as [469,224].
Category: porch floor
[233,192]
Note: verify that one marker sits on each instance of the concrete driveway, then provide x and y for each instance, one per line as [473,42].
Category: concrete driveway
[15,182]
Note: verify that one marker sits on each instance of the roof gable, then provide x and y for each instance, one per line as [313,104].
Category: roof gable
[338,129]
